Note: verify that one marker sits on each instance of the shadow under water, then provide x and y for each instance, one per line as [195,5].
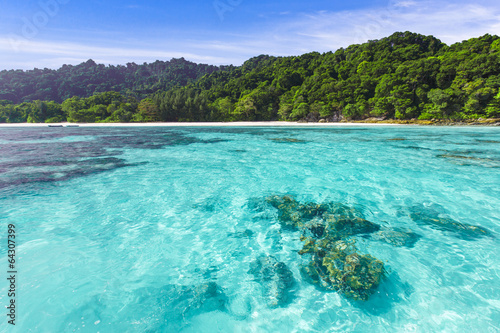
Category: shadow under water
[471,158]
[392,291]
[428,216]
[65,170]
[287,140]
[275,278]
[400,237]
[42,155]
[149,309]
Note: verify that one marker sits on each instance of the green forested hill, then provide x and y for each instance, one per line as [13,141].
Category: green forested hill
[89,78]
[403,76]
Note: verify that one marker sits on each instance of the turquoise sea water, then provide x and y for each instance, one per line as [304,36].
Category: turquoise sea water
[160,229]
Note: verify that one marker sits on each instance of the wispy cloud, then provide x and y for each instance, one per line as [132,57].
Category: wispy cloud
[290,34]
[327,31]
[49,53]
[450,22]
[404,4]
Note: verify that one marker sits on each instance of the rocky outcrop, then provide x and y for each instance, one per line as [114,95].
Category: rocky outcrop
[327,231]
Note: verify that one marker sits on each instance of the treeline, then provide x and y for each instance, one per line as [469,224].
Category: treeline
[102,107]
[89,78]
[403,76]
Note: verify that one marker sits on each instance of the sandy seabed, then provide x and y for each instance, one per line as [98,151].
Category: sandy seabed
[203,124]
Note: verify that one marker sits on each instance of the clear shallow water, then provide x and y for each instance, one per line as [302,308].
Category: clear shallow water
[153,229]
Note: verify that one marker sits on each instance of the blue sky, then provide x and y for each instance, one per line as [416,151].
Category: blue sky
[50,33]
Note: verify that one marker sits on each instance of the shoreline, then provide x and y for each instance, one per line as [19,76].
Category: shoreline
[200,124]
[368,122]
[489,122]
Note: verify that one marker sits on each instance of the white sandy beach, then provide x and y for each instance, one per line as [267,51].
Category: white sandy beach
[205,124]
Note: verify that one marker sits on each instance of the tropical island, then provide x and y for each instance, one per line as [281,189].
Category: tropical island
[404,78]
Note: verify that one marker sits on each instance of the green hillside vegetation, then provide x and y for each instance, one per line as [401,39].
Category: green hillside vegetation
[89,78]
[404,76]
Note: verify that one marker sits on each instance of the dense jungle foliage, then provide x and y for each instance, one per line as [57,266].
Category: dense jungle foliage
[403,76]
[89,78]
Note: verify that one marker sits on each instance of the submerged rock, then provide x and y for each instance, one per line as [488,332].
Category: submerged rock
[345,226]
[341,210]
[275,278]
[311,210]
[287,140]
[433,219]
[336,217]
[288,210]
[335,227]
[315,228]
[336,221]
[310,273]
[336,265]
[467,160]
[396,236]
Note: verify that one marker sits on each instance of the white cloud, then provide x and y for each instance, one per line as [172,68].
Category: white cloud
[327,31]
[451,22]
[404,4]
[53,54]
[289,34]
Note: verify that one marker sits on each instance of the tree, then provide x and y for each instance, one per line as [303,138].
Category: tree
[148,111]
[443,103]
[493,109]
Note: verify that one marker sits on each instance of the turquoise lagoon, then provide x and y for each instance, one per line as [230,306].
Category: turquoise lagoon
[160,229]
